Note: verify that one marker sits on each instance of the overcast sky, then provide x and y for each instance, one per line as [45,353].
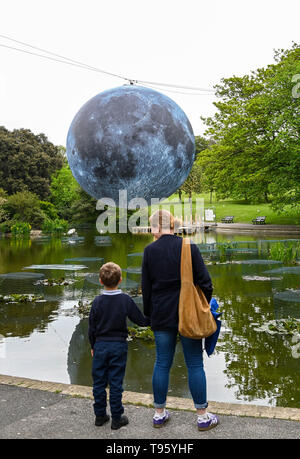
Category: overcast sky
[187,42]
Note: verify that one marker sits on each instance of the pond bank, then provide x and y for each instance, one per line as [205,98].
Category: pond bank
[219,227]
[174,403]
[249,228]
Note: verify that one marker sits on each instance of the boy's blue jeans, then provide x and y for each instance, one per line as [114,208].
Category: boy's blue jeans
[165,348]
[109,364]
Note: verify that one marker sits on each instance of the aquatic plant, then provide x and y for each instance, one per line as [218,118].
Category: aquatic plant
[55,282]
[134,291]
[20,229]
[135,332]
[224,248]
[144,333]
[84,307]
[57,226]
[287,252]
[289,326]
[20,298]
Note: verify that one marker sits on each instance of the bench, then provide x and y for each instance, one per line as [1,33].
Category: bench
[259,221]
[228,219]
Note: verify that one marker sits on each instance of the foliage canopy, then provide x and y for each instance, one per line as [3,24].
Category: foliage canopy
[256,130]
[27,162]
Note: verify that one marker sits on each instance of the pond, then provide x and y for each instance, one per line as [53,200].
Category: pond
[44,336]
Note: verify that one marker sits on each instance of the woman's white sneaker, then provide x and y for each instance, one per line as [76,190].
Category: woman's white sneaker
[207,421]
[160,419]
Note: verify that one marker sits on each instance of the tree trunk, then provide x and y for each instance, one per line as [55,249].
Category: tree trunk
[266,197]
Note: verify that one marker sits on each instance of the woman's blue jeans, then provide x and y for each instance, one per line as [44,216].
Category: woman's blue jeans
[192,349]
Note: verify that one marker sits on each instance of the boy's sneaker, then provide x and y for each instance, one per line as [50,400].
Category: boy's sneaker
[160,420]
[207,421]
[100,420]
[118,423]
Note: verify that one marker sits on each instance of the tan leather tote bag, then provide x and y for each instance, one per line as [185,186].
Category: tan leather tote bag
[195,318]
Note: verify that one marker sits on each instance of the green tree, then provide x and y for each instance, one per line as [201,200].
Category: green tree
[207,161]
[3,213]
[49,210]
[64,191]
[193,183]
[83,209]
[24,207]
[256,130]
[201,144]
[70,200]
[27,162]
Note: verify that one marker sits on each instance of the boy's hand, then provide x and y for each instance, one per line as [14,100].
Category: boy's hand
[92,352]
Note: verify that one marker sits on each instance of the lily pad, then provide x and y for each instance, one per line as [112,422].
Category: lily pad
[289,326]
[57,267]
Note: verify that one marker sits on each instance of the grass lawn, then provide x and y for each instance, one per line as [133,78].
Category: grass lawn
[244,213]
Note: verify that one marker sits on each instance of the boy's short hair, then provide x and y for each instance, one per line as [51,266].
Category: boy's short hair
[162,219]
[110,274]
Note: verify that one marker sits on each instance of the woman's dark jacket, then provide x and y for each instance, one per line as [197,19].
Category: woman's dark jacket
[161,280]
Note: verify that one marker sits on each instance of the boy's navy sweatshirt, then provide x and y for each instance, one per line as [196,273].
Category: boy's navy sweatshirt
[108,314]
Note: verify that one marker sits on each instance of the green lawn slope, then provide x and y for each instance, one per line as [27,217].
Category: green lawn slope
[244,212]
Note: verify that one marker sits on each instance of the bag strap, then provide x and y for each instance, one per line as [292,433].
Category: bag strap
[186,269]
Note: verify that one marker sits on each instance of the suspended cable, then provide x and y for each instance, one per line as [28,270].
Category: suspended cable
[179,92]
[81,64]
[43,50]
[175,86]
[65,60]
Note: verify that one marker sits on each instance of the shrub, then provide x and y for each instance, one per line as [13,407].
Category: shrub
[224,249]
[3,213]
[20,229]
[24,206]
[56,226]
[64,191]
[49,209]
[285,252]
[5,227]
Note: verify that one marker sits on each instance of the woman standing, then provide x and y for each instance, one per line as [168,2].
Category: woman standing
[161,291]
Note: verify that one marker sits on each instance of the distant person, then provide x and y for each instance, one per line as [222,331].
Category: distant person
[107,334]
[161,290]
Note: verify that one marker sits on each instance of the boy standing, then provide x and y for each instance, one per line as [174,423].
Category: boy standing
[107,334]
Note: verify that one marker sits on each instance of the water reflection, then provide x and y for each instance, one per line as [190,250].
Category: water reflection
[49,340]
[258,365]
[79,356]
[21,319]
[141,356]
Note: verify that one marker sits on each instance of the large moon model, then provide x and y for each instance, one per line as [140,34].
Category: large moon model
[130,138]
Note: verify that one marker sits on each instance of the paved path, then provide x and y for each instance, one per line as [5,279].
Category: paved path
[66,411]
